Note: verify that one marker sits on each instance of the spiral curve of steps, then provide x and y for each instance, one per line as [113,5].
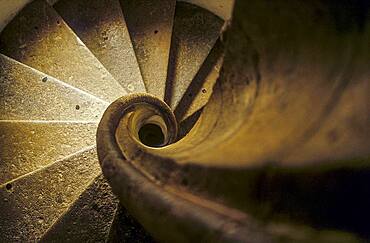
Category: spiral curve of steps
[123,115]
[61,66]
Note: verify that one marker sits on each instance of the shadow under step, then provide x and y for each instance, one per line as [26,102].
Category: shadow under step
[89,218]
[30,204]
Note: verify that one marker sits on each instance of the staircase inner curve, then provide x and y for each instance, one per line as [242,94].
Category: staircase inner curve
[62,63]
[184,121]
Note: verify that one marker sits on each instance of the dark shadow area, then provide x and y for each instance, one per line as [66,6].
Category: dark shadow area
[151,135]
[186,125]
[349,15]
[172,64]
[126,229]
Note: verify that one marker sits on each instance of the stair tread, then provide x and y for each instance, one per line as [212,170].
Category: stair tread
[27,94]
[201,98]
[28,146]
[89,218]
[200,89]
[196,31]
[39,37]
[30,204]
[151,38]
[102,28]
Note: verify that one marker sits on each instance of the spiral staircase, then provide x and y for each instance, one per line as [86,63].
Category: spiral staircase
[139,120]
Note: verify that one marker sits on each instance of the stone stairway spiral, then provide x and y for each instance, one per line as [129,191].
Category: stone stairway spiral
[159,120]
[61,66]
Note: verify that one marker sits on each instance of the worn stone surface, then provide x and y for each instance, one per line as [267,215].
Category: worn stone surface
[195,32]
[102,28]
[29,205]
[27,94]
[28,146]
[222,8]
[150,25]
[199,91]
[88,219]
[38,28]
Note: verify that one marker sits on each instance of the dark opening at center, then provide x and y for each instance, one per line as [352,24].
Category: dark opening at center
[151,135]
